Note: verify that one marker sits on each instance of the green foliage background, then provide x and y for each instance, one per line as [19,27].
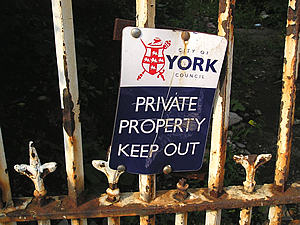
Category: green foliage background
[30,108]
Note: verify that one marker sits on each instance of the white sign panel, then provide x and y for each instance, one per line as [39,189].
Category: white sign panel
[168,81]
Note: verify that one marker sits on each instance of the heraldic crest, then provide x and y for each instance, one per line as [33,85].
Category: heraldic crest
[154,59]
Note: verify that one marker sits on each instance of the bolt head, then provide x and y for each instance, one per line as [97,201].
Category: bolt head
[136,32]
[121,168]
[167,169]
[185,35]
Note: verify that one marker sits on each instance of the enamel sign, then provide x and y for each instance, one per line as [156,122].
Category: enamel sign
[168,82]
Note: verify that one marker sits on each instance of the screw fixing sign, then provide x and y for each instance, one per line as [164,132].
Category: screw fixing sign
[168,81]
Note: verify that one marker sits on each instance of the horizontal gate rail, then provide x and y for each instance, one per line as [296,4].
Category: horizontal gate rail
[130,204]
[148,202]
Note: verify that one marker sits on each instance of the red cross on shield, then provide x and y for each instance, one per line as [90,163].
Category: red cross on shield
[153,61]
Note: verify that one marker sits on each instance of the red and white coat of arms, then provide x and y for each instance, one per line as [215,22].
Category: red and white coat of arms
[154,59]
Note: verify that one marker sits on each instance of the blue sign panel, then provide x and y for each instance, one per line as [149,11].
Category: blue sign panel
[165,99]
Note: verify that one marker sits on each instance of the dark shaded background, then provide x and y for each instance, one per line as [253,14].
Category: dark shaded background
[30,107]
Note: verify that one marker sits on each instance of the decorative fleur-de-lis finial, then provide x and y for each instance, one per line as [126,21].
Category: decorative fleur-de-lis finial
[113,176]
[251,163]
[35,171]
[181,192]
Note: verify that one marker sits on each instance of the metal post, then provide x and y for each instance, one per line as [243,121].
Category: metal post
[181,218]
[4,179]
[221,112]
[44,222]
[145,13]
[68,84]
[145,17]
[147,187]
[181,194]
[290,68]
[113,220]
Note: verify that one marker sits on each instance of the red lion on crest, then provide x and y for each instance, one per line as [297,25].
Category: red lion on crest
[154,59]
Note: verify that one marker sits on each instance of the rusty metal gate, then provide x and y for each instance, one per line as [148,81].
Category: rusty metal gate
[148,201]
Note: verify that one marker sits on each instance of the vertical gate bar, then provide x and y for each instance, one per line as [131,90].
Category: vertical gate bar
[44,222]
[147,220]
[245,216]
[4,179]
[180,195]
[147,186]
[145,13]
[298,56]
[145,17]
[290,68]
[113,220]
[275,215]
[221,111]
[68,85]
[181,219]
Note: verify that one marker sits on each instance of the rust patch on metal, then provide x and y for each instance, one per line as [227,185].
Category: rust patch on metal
[225,26]
[226,29]
[214,193]
[291,30]
[151,187]
[251,163]
[232,8]
[181,193]
[147,220]
[147,24]
[68,114]
[74,167]
[288,99]
[120,24]
[223,136]
[294,63]
[216,189]
[292,14]
[198,175]
[72,142]
[66,73]
[42,201]
[113,186]
[252,158]
[1,201]
[222,6]
[113,192]
[131,205]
